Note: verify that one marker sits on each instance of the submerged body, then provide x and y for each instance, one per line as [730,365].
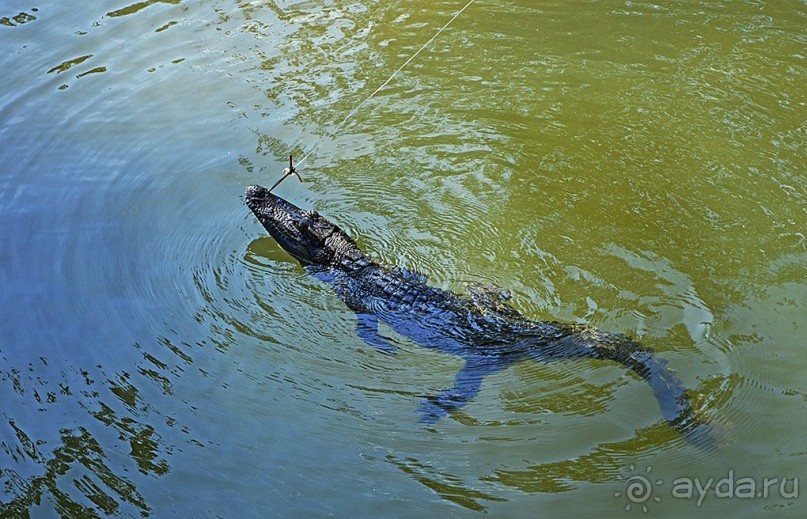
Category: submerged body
[482,329]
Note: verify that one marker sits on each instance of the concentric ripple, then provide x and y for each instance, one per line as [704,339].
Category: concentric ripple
[634,166]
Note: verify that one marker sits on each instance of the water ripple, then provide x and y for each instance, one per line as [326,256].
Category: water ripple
[603,174]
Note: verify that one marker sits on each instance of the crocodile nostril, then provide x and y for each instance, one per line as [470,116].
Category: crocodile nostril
[255,191]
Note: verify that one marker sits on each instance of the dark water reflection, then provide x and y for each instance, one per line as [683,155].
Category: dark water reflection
[632,165]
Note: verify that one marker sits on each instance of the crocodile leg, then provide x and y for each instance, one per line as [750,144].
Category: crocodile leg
[467,384]
[367,330]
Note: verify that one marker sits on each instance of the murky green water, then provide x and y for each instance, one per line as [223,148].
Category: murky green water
[632,165]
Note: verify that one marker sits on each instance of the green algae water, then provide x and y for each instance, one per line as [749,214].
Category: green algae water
[637,166]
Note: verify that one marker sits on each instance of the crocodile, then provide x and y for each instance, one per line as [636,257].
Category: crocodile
[481,328]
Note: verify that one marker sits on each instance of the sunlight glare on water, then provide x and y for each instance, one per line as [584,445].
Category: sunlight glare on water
[636,166]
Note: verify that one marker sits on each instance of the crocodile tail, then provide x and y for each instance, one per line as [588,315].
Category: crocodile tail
[670,393]
[587,341]
[667,387]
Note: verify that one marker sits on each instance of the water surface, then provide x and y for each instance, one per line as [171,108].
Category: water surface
[633,165]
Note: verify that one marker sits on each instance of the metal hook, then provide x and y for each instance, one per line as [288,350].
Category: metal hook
[287,172]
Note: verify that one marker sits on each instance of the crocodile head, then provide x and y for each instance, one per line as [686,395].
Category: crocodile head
[312,239]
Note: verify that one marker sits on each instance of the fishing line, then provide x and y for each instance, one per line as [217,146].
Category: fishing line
[291,170]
